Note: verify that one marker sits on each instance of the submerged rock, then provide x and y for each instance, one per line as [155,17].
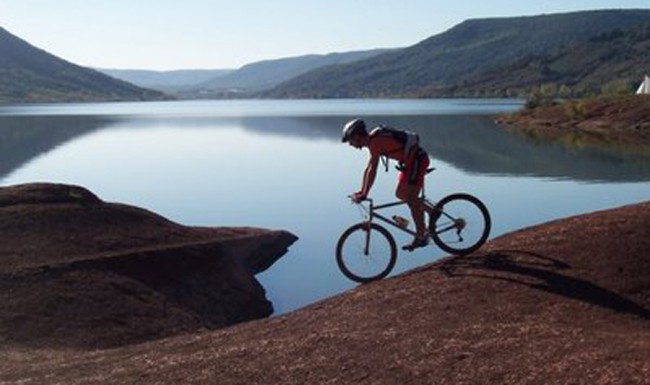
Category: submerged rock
[77,271]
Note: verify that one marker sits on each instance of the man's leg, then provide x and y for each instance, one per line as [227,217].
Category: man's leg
[411,181]
[410,194]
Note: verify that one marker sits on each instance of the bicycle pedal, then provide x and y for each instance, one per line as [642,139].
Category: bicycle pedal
[416,245]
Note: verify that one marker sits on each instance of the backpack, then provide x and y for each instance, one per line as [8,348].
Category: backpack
[409,140]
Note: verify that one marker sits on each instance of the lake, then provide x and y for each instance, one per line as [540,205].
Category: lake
[281,165]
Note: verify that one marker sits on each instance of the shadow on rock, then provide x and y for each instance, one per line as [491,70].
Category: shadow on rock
[542,273]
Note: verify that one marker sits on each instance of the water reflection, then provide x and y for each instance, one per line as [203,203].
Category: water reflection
[27,137]
[475,144]
[472,143]
[288,170]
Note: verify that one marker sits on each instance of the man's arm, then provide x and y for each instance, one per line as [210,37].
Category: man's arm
[369,175]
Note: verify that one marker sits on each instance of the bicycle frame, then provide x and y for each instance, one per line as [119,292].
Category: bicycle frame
[372,208]
[457,224]
[372,213]
[363,260]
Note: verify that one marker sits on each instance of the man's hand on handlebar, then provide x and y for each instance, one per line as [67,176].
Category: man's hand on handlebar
[357,197]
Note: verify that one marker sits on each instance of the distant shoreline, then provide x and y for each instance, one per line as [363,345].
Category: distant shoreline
[622,121]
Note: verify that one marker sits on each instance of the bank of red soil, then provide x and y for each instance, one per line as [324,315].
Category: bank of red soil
[614,121]
[78,272]
[567,302]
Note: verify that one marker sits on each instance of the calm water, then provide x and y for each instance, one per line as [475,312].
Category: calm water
[280,164]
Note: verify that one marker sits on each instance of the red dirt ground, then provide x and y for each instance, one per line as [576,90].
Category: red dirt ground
[566,302]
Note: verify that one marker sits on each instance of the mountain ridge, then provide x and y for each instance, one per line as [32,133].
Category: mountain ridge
[488,57]
[166,81]
[250,78]
[574,70]
[433,66]
[266,74]
[31,74]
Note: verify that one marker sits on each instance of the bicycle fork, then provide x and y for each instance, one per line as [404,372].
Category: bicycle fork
[366,247]
[367,227]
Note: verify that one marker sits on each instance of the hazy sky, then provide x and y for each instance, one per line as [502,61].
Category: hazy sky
[180,34]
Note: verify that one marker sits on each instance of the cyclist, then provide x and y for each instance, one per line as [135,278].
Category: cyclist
[401,146]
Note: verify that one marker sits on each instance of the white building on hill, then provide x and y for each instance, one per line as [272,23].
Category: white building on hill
[644,87]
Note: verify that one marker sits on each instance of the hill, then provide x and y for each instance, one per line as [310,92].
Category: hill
[269,73]
[241,82]
[567,302]
[466,52]
[29,74]
[166,81]
[613,62]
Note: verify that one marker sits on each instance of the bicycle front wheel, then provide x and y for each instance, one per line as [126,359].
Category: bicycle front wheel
[460,224]
[366,252]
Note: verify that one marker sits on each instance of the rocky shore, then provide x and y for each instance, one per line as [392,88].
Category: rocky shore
[614,122]
[566,302]
[79,272]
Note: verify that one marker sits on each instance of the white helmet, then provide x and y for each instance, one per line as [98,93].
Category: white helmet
[352,127]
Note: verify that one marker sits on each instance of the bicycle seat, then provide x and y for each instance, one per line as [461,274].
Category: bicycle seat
[400,167]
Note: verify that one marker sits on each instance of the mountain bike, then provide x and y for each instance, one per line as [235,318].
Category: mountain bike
[458,224]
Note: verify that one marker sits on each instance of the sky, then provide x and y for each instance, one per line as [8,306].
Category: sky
[227,34]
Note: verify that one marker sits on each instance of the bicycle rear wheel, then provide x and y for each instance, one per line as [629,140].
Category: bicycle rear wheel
[461,224]
[366,252]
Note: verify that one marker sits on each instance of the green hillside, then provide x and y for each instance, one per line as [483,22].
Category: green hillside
[269,73]
[611,63]
[440,65]
[29,74]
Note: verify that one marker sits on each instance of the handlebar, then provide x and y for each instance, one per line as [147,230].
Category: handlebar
[365,199]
